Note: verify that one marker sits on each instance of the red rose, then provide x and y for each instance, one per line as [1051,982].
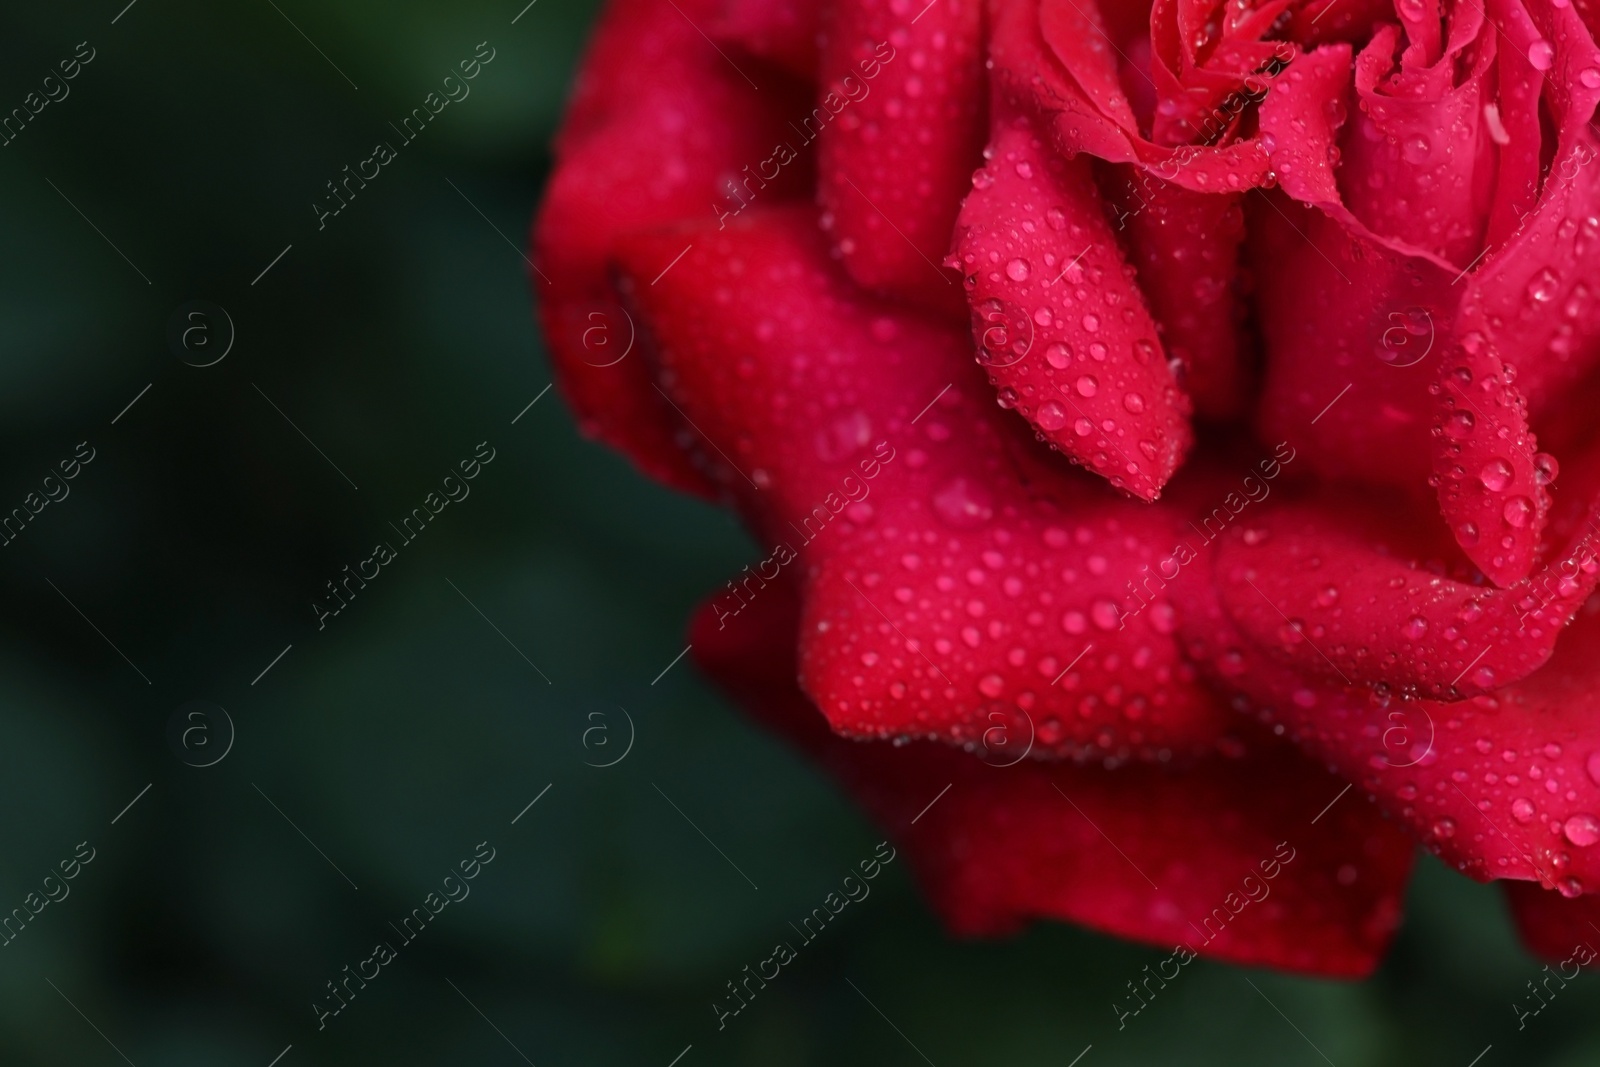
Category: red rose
[1279,314]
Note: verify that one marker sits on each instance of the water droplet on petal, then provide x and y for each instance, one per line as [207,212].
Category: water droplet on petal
[963,503]
[1495,475]
[1581,829]
[1543,287]
[1051,416]
[1517,511]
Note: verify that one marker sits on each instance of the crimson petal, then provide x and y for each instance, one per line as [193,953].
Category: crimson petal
[1061,325]
[905,89]
[1168,857]
[954,571]
[1555,927]
[659,121]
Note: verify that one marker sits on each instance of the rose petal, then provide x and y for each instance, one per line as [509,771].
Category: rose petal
[1503,785]
[1331,588]
[782,32]
[1164,856]
[1554,927]
[1344,378]
[953,570]
[1070,82]
[1060,323]
[1186,247]
[1324,21]
[1076,34]
[1485,461]
[905,92]
[631,160]
[1420,165]
[1537,287]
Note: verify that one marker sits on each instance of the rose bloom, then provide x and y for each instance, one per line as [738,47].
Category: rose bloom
[1149,417]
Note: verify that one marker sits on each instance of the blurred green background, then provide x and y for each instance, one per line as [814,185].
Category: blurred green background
[376,753]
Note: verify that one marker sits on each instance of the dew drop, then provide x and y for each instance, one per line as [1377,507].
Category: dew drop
[1517,511]
[1495,475]
[1581,829]
[1416,149]
[1543,287]
[1051,416]
[1459,424]
[963,503]
[1017,270]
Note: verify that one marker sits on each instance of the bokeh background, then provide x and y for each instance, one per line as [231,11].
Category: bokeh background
[459,686]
